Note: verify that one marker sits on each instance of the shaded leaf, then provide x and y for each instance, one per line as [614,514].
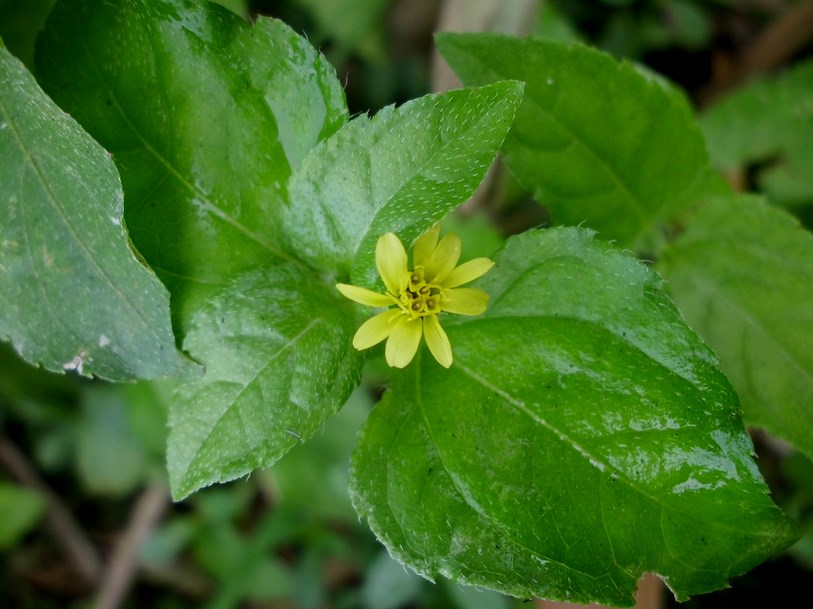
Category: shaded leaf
[204,156]
[73,295]
[598,142]
[583,436]
[741,275]
[20,22]
[20,510]
[769,122]
[110,459]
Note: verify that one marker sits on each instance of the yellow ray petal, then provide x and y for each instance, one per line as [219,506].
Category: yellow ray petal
[403,342]
[443,259]
[468,271]
[464,301]
[364,296]
[376,329]
[391,261]
[437,341]
[425,245]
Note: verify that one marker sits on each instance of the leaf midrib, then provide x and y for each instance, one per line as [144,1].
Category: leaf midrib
[284,347]
[649,217]
[709,282]
[477,508]
[206,202]
[484,117]
[584,452]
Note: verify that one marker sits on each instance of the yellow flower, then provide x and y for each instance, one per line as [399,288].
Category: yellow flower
[419,296]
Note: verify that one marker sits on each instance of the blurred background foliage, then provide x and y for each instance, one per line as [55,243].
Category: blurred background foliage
[85,517]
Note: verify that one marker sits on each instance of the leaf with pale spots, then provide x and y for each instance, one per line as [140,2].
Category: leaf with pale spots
[279,361]
[399,171]
[610,446]
[73,295]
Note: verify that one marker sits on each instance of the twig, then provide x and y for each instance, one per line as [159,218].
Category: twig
[58,518]
[146,513]
[788,34]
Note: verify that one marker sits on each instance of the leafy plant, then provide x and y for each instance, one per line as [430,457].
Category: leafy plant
[191,215]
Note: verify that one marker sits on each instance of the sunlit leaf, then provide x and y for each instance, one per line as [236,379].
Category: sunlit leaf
[583,436]
[399,171]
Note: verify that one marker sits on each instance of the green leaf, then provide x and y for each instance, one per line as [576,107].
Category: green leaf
[388,586]
[741,275]
[109,457]
[595,141]
[73,295]
[277,348]
[20,510]
[205,115]
[768,121]
[583,436]
[399,171]
[346,22]
[20,22]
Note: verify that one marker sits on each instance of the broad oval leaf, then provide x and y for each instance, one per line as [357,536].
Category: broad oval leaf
[276,344]
[583,436]
[741,274]
[399,171]
[205,115]
[73,295]
[598,142]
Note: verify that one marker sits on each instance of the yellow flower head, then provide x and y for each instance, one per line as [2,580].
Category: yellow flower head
[419,296]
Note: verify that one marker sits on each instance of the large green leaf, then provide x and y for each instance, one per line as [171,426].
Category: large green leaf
[399,171]
[279,361]
[741,275]
[583,436]
[73,295]
[596,141]
[769,121]
[205,115]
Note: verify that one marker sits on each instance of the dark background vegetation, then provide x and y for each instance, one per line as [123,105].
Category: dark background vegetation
[85,517]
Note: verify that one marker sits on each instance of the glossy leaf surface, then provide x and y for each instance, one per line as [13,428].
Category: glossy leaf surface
[583,436]
[741,275]
[205,115]
[73,295]
[399,171]
[279,361]
[597,142]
